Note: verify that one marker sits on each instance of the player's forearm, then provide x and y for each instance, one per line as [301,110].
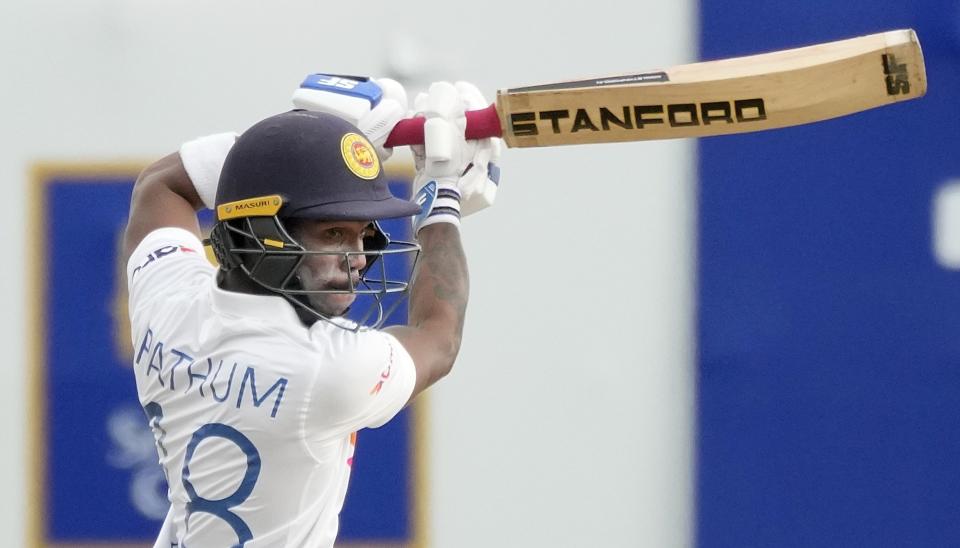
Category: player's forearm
[169,175]
[162,196]
[438,299]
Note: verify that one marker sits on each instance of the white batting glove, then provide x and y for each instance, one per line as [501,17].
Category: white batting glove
[478,186]
[374,105]
[454,175]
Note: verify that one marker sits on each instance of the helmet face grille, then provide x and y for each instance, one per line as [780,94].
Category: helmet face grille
[262,249]
[302,165]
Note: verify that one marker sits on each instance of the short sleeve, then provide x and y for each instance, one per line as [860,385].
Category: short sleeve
[363,381]
[168,260]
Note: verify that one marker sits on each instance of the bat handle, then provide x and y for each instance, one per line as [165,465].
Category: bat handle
[481,124]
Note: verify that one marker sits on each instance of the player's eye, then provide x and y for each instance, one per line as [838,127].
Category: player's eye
[334,234]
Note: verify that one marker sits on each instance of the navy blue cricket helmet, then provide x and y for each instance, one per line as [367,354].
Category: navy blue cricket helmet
[303,165]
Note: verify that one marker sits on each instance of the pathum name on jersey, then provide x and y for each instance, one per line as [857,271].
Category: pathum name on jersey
[174,368]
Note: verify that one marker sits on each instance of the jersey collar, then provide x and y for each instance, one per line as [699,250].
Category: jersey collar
[273,308]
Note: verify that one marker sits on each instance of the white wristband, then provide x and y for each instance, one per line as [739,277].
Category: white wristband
[440,203]
[203,160]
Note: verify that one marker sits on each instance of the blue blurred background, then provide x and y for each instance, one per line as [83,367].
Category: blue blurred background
[829,359]
[738,341]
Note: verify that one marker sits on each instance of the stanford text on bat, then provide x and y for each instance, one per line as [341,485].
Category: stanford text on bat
[639,116]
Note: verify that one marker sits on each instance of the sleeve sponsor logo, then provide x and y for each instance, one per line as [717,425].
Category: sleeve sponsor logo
[383,378]
[384,375]
[158,254]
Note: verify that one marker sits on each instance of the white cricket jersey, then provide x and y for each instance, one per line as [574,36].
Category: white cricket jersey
[254,414]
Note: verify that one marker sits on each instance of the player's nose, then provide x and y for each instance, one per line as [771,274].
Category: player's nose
[357,261]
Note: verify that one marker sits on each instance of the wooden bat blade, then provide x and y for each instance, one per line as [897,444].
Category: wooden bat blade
[745,94]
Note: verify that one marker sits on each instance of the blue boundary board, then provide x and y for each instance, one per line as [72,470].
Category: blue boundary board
[93,462]
[829,356]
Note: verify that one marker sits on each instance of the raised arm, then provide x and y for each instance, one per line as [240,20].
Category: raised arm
[450,169]
[163,196]
[170,191]
[438,305]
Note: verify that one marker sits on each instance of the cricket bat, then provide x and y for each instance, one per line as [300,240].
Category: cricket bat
[737,95]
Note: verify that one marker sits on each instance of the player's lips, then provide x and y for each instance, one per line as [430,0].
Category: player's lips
[338,285]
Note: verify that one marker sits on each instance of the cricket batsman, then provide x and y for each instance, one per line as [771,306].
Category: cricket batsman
[253,380]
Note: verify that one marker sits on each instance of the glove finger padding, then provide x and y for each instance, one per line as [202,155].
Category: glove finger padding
[443,101]
[478,186]
[420,102]
[471,96]
[379,122]
[448,153]
[328,94]
[454,176]
[392,90]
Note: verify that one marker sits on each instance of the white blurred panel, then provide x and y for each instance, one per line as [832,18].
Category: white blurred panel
[568,419]
[946,225]
[567,422]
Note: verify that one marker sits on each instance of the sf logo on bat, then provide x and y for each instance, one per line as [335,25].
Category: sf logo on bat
[630,117]
[897,78]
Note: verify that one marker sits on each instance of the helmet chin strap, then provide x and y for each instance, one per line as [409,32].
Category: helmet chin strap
[237,280]
[306,314]
[301,304]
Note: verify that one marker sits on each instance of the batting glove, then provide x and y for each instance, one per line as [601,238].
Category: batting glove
[374,105]
[478,185]
[454,176]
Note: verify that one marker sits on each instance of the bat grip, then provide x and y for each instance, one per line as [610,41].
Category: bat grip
[481,124]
